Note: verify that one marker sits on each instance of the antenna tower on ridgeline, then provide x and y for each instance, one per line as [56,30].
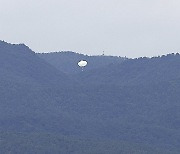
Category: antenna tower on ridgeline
[103,53]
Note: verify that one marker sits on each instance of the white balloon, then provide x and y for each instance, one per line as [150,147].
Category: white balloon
[82,63]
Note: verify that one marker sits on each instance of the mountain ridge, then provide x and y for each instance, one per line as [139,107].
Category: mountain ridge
[130,101]
[67,61]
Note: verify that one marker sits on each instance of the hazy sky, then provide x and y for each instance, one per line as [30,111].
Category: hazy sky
[130,28]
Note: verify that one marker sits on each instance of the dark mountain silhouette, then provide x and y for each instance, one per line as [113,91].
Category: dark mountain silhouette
[20,61]
[27,87]
[129,106]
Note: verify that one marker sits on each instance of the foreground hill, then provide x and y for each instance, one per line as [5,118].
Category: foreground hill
[131,107]
[54,143]
[137,100]
[26,85]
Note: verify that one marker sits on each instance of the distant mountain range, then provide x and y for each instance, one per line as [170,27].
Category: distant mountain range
[67,61]
[116,105]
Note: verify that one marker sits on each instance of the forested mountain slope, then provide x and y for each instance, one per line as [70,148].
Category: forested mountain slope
[27,87]
[20,61]
[136,71]
[137,96]
[123,107]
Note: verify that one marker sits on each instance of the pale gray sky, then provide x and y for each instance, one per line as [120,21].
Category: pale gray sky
[130,28]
